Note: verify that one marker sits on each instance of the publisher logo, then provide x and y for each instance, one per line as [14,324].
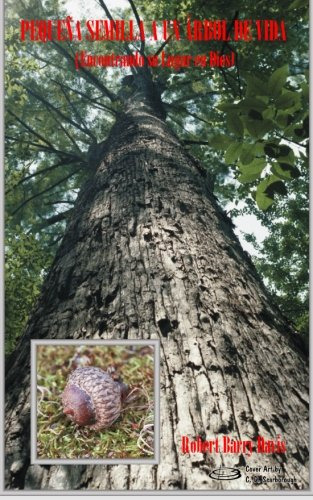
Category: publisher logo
[225,473]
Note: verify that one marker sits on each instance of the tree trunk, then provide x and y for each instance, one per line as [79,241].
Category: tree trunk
[148,254]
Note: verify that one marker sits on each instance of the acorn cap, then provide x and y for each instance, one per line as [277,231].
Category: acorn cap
[91,397]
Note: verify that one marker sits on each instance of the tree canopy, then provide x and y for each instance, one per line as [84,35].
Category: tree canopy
[247,125]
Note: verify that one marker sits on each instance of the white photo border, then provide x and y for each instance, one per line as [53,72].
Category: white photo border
[35,343]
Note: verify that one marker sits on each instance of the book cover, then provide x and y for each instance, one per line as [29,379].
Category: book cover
[156,239]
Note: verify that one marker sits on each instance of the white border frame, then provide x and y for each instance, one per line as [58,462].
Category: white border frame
[100,461]
[72,494]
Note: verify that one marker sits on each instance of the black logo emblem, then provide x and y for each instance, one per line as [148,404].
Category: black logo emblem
[225,473]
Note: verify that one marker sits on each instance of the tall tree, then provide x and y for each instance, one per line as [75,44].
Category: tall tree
[148,253]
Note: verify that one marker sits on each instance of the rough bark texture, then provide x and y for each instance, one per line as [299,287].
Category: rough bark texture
[148,254]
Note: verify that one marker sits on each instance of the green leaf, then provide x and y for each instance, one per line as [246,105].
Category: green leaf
[251,172]
[227,106]
[285,171]
[233,152]
[247,155]
[287,100]
[248,177]
[298,4]
[300,132]
[258,148]
[234,124]
[263,200]
[251,103]
[255,86]
[283,151]
[255,115]
[266,190]
[286,158]
[257,165]
[269,113]
[276,187]
[220,141]
[258,128]
[284,119]
[277,80]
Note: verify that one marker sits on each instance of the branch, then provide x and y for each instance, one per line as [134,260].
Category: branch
[186,141]
[54,242]
[68,135]
[36,144]
[46,61]
[57,111]
[45,148]
[199,143]
[93,101]
[237,66]
[229,29]
[226,44]
[174,119]
[66,132]
[106,10]
[192,96]
[60,202]
[135,11]
[59,124]
[54,219]
[227,81]
[290,140]
[109,15]
[187,82]
[181,108]
[75,111]
[87,74]
[164,44]
[39,172]
[36,134]
[44,191]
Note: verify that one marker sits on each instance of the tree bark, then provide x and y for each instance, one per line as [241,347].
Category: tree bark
[148,254]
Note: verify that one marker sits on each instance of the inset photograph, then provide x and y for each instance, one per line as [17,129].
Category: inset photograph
[94,401]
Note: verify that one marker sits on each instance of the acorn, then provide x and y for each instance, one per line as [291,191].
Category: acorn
[93,398]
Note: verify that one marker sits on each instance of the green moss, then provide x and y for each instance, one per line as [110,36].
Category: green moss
[131,436]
